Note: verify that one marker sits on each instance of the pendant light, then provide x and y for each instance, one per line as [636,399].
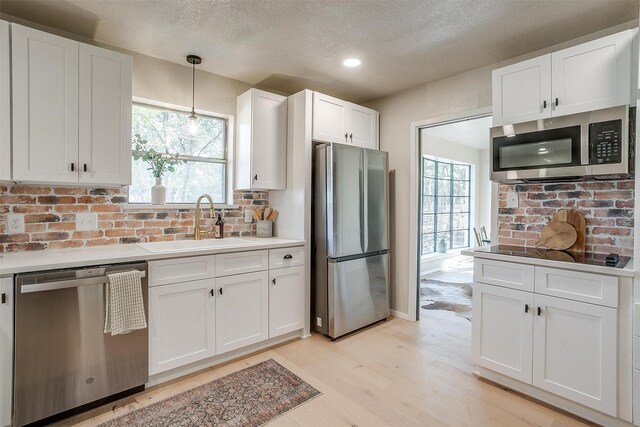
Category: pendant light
[192,121]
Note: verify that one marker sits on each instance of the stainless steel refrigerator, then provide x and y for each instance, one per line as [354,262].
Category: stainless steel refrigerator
[351,238]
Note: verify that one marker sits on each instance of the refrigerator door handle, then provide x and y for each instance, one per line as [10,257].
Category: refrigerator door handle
[365,202]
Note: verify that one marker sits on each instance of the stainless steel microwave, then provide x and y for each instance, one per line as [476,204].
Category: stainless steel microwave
[594,144]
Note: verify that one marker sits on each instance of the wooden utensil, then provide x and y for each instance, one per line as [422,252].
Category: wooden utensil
[558,236]
[255,214]
[267,212]
[576,219]
[273,215]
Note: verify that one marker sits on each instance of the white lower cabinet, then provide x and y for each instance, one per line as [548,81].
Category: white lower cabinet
[286,300]
[6,349]
[205,306]
[565,347]
[503,330]
[574,351]
[242,305]
[181,324]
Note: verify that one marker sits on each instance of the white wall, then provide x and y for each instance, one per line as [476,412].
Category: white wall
[461,93]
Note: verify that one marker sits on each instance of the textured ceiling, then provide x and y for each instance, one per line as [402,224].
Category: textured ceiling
[292,44]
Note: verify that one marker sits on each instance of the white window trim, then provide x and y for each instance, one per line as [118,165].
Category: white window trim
[230,157]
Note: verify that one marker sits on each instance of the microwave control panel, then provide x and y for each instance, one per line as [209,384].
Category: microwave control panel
[605,142]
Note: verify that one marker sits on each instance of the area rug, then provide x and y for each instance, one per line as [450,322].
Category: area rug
[250,397]
[449,296]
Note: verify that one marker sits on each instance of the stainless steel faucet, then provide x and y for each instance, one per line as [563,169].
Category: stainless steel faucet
[196,229]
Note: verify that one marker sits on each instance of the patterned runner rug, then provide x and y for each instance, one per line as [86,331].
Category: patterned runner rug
[250,397]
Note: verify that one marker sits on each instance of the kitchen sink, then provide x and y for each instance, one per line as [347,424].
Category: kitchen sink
[193,245]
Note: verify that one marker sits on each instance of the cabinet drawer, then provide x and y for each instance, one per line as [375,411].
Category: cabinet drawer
[286,257]
[636,352]
[587,287]
[169,271]
[241,262]
[636,319]
[501,273]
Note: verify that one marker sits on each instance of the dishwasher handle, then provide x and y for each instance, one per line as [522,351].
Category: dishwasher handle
[63,284]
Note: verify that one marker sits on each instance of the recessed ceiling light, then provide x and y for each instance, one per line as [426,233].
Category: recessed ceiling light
[351,62]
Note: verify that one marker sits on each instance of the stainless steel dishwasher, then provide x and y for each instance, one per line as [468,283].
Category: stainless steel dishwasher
[64,363]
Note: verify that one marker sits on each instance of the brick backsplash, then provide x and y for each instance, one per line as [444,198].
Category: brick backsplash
[50,217]
[606,205]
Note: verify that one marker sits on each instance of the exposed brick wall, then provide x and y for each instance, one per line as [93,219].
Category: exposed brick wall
[50,215]
[606,205]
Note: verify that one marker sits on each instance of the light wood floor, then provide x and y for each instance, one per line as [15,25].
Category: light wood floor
[395,374]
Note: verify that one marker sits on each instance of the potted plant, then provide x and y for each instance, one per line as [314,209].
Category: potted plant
[442,245]
[159,163]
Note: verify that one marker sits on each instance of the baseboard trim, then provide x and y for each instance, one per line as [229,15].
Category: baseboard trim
[402,315]
[550,399]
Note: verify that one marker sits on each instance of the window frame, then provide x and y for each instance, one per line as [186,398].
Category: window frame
[229,151]
[451,181]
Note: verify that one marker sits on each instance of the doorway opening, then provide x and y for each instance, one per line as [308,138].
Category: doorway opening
[455,207]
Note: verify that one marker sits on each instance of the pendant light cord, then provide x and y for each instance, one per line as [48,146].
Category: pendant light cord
[193,88]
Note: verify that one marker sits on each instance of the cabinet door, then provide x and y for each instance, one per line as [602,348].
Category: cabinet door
[522,91]
[363,131]
[5,103]
[242,303]
[6,349]
[269,141]
[592,75]
[502,330]
[105,116]
[575,349]
[286,300]
[330,119]
[45,106]
[181,324]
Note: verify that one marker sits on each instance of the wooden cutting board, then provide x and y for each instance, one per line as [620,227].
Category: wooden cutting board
[576,219]
[558,236]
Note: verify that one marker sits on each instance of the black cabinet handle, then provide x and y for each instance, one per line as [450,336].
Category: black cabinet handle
[273,281]
[4,298]
[556,102]
[526,308]
[220,291]
[351,137]
[544,104]
[288,256]
[255,177]
[539,311]
[73,167]
[85,167]
[213,292]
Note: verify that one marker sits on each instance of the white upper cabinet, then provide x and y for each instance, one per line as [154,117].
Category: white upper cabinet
[45,106]
[261,156]
[105,116]
[522,91]
[335,120]
[5,103]
[593,75]
[590,76]
[71,111]
[330,119]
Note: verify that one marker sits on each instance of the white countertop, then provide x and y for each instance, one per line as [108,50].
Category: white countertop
[50,259]
[483,252]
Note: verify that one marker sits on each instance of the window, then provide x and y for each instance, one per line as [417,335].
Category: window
[205,155]
[446,201]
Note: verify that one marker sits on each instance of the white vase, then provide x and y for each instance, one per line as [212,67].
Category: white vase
[158,193]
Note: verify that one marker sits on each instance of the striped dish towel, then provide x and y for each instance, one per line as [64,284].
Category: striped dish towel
[124,311]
